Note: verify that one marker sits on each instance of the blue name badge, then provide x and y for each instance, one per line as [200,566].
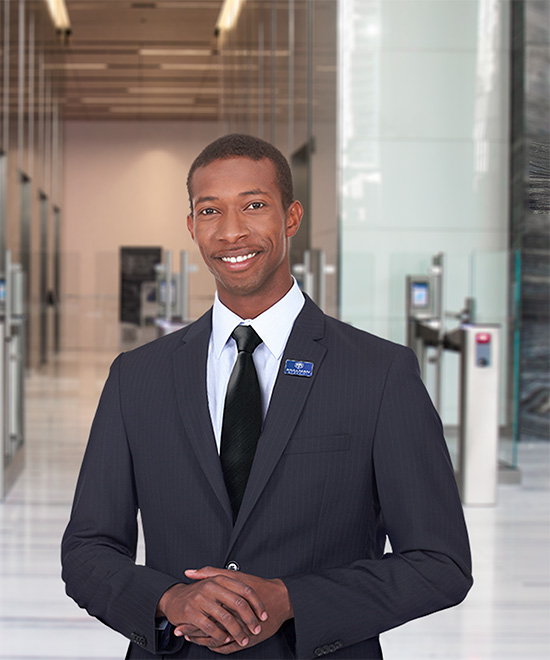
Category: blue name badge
[299,368]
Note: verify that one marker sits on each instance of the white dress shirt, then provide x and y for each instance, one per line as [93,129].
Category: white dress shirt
[273,326]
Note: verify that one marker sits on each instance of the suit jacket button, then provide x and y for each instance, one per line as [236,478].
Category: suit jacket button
[338,644]
[232,566]
[318,652]
[138,639]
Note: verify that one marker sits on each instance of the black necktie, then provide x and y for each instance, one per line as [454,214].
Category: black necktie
[242,417]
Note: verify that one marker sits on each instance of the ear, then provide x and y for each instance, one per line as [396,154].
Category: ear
[294,215]
[191,225]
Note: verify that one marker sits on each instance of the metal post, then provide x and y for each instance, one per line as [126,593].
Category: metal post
[309,279]
[437,272]
[168,285]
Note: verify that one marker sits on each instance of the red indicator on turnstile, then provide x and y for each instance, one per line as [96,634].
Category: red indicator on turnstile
[483,349]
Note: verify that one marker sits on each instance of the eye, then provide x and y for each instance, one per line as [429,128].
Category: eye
[207,211]
[256,205]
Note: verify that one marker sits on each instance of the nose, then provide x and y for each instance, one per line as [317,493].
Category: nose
[234,227]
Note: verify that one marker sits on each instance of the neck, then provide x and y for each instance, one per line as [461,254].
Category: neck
[249,306]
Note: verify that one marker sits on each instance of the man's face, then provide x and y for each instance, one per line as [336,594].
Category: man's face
[242,231]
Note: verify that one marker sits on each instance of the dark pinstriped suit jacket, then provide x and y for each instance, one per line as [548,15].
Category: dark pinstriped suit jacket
[346,457]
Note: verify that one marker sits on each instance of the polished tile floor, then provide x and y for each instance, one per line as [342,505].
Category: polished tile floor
[506,615]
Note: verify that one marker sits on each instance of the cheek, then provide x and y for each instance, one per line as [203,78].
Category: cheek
[201,236]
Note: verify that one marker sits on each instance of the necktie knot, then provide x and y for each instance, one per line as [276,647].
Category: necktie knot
[247,338]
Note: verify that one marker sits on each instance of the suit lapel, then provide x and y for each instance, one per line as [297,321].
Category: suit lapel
[190,377]
[287,402]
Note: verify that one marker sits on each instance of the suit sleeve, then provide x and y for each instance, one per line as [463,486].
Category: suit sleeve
[99,544]
[429,567]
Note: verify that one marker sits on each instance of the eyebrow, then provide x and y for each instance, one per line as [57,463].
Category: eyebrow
[256,191]
[246,193]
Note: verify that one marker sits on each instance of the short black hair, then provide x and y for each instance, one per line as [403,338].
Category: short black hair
[240,145]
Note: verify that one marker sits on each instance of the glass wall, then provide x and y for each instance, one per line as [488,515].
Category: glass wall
[30,186]
[423,154]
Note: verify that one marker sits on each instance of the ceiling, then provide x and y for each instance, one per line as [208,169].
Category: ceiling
[142,60]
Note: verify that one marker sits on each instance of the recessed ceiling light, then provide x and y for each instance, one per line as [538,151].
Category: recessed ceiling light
[164,109]
[229,13]
[196,91]
[73,66]
[168,52]
[243,52]
[183,89]
[171,4]
[59,14]
[129,100]
[184,66]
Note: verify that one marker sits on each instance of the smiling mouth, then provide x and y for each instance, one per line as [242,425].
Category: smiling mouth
[239,259]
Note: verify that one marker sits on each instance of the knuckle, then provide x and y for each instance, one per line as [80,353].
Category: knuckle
[186,611]
[209,627]
[225,616]
[239,602]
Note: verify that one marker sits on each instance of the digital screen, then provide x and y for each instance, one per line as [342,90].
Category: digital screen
[420,294]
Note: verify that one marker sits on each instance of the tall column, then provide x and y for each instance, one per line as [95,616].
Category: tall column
[530,213]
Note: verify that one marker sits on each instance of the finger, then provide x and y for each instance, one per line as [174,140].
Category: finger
[204,572]
[186,629]
[218,610]
[211,571]
[209,626]
[245,602]
[224,618]
[200,639]
[240,597]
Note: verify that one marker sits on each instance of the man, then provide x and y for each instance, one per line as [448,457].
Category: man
[287,561]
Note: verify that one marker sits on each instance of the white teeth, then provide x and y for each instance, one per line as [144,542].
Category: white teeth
[237,260]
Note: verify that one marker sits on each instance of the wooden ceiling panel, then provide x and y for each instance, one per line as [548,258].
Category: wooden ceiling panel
[159,60]
[119,51]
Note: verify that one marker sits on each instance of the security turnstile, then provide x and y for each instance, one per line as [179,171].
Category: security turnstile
[479,347]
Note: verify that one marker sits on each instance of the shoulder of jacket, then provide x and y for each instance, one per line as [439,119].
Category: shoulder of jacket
[362,338]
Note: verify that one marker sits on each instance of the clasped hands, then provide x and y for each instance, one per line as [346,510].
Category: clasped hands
[226,610]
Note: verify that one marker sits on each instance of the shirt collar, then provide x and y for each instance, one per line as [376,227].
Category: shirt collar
[273,325]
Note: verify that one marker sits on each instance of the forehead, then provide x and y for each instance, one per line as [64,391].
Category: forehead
[233,176]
